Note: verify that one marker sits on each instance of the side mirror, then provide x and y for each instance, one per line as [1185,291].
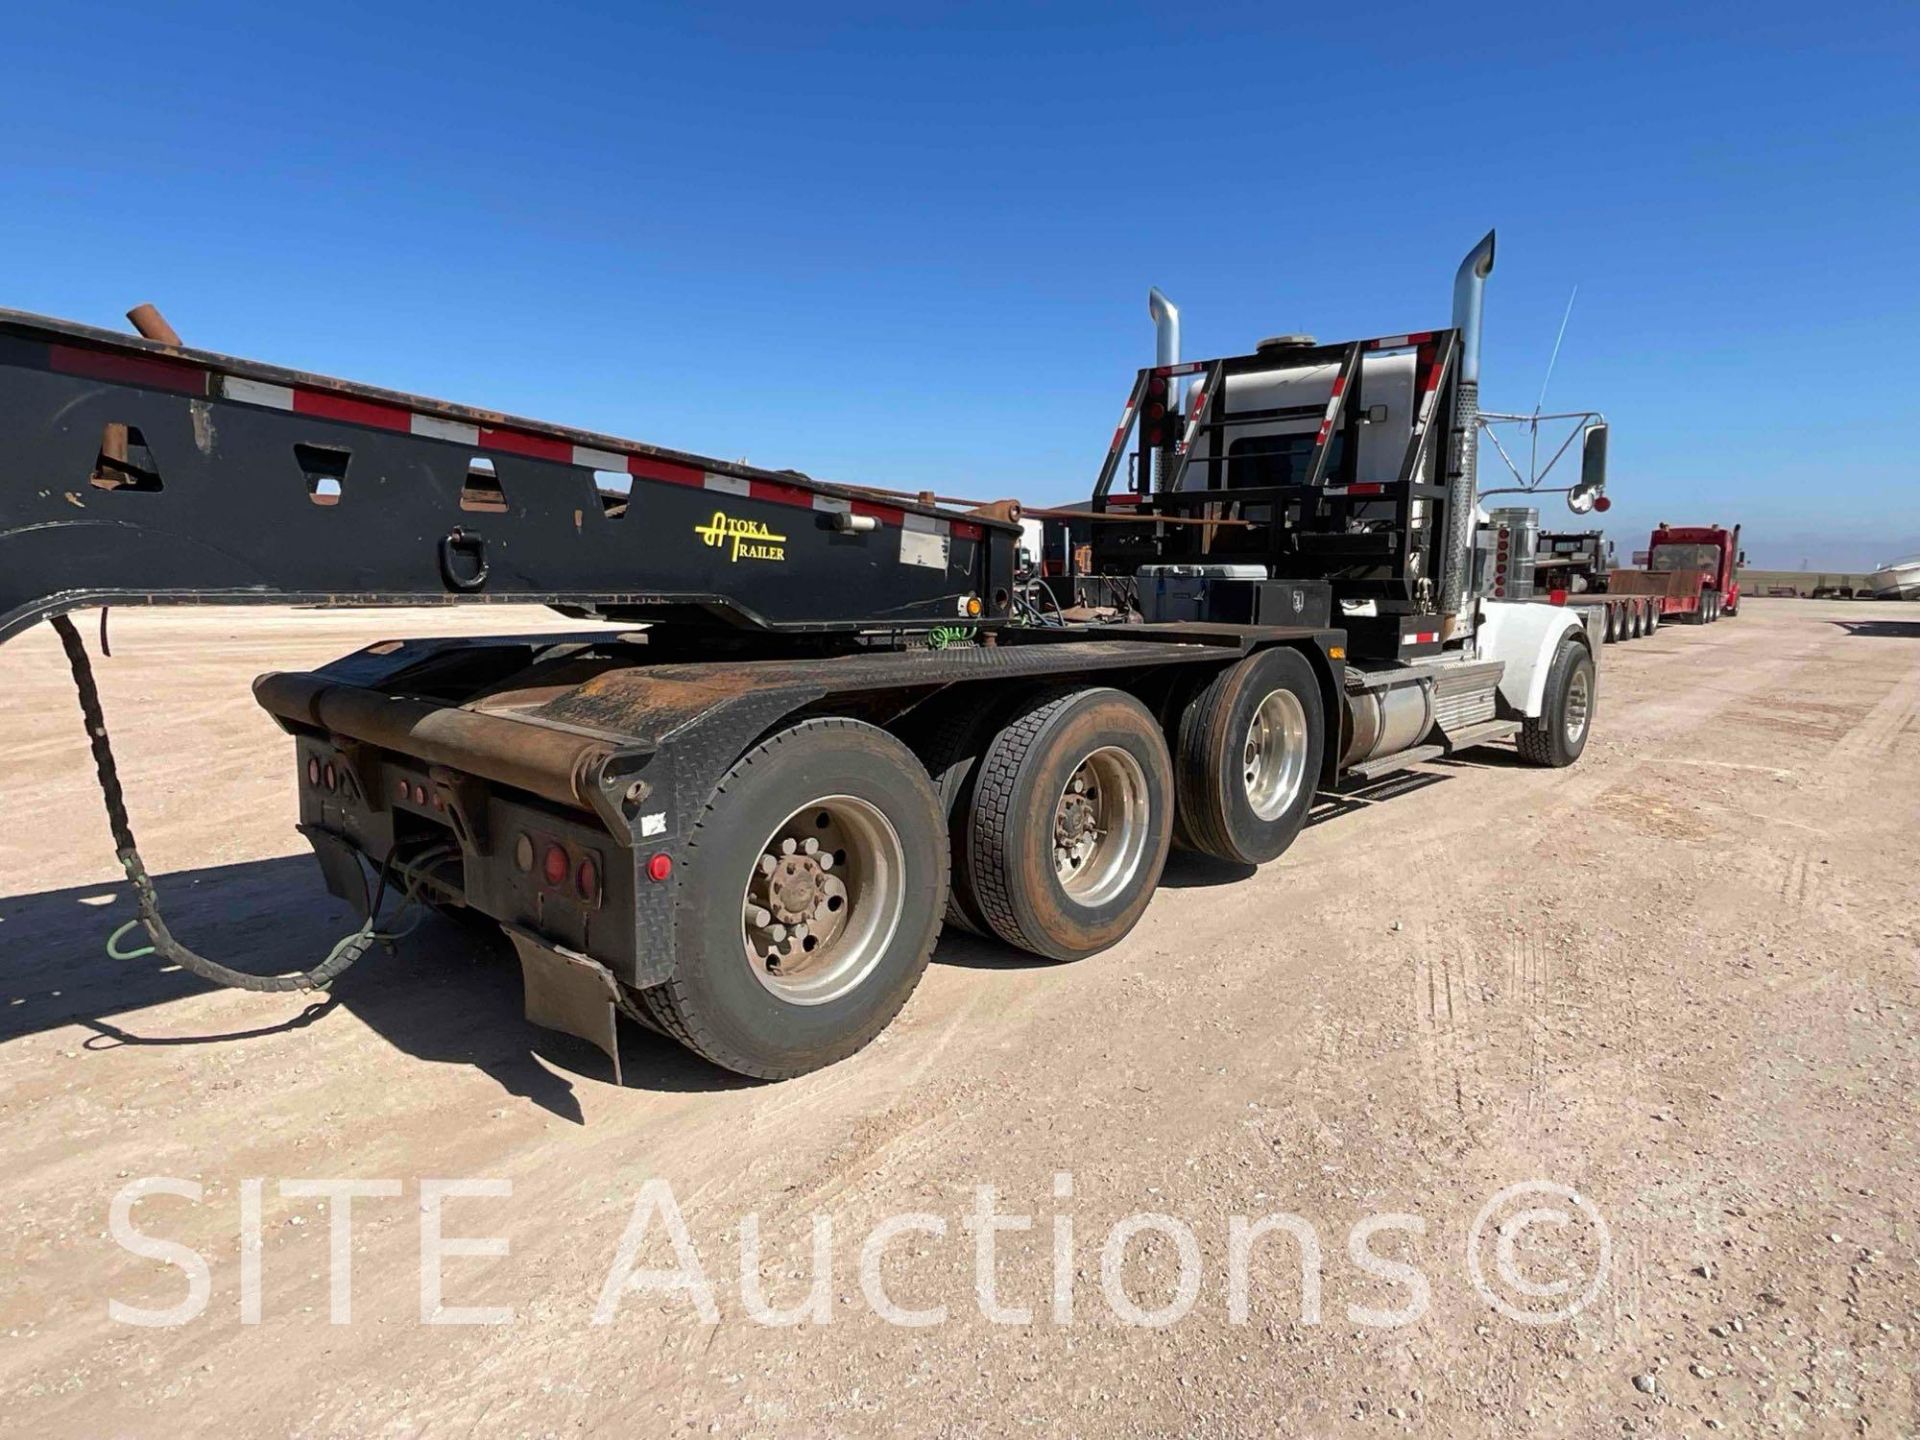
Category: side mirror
[1743,558]
[1590,493]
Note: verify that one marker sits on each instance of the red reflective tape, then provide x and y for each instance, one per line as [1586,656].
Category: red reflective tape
[157,372]
[780,494]
[1339,384]
[671,471]
[328,406]
[967,530]
[1368,489]
[885,514]
[518,442]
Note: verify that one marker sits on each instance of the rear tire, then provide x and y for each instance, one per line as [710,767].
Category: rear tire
[886,868]
[1248,756]
[1556,738]
[1653,617]
[1611,624]
[1070,822]
[951,750]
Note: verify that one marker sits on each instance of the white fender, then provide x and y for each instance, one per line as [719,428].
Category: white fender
[1525,637]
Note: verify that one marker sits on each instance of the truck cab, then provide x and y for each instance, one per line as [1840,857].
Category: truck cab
[1707,550]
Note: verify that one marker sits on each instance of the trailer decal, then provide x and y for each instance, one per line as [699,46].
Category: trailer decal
[745,539]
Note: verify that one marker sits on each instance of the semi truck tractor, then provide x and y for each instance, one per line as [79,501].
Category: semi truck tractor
[1693,571]
[826,720]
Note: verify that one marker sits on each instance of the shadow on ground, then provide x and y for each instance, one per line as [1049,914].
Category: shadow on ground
[449,992]
[1881,629]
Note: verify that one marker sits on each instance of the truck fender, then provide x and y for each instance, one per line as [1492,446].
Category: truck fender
[1525,637]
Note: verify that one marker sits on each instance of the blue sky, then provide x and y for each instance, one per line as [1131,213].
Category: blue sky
[911,245]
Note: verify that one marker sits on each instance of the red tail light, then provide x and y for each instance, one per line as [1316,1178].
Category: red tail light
[554,866]
[659,867]
[586,880]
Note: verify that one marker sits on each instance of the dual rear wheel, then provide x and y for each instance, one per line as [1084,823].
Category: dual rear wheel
[1047,825]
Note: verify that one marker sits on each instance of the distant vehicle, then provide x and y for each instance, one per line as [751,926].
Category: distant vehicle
[1693,569]
[1897,580]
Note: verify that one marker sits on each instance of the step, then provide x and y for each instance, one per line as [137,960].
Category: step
[1480,734]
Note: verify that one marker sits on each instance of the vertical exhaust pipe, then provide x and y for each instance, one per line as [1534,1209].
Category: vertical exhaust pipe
[1469,298]
[1166,351]
[1166,327]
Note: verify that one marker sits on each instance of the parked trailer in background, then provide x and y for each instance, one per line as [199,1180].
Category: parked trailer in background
[1575,568]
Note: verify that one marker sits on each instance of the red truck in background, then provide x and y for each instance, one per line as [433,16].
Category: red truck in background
[1691,569]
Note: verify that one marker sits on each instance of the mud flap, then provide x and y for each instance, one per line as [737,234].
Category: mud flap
[570,993]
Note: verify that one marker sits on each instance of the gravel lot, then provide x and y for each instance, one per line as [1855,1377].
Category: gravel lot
[1678,979]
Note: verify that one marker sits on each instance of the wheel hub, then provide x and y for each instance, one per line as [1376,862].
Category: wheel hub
[1100,826]
[823,899]
[1076,824]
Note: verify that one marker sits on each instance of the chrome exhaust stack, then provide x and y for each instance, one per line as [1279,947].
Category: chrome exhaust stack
[1469,298]
[1166,327]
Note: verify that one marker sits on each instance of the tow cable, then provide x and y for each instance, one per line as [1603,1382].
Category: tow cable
[343,955]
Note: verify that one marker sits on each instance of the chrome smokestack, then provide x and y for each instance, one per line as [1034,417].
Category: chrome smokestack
[1166,327]
[1469,295]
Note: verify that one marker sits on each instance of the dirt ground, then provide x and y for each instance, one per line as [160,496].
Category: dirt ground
[1678,979]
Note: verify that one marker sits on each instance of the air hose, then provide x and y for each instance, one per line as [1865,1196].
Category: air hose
[343,955]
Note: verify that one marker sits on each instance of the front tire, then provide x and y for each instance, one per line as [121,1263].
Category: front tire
[1248,756]
[1070,822]
[796,952]
[1559,734]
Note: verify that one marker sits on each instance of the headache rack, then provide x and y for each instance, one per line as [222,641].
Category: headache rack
[139,472]
[1380,543]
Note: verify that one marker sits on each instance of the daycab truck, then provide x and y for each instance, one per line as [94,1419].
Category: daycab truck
[834,720]
[1691,570]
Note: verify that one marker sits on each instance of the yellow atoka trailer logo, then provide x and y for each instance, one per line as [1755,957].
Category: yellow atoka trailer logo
[744,539]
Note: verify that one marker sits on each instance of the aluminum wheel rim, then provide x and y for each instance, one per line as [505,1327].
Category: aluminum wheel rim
[1274,758]
[1100,826]
[1579,706]
[823,900]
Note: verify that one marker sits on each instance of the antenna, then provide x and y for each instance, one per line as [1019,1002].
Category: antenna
[1554,358]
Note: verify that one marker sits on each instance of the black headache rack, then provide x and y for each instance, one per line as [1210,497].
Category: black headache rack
[138,473]
[1380,542]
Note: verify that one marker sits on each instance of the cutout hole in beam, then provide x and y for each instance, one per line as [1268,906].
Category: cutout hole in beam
[482,490]
[326,471]
[615,489]
[124,462]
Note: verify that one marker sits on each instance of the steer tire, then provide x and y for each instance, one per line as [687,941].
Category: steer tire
[1219,811]
[1544,740]
[1017,803]
[714,1003]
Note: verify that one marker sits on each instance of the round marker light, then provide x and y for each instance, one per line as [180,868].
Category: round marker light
[313,770]
[554,866]
[327,777]
[659,867]
[523,853]
[419,794]
[586,880]
[400,788]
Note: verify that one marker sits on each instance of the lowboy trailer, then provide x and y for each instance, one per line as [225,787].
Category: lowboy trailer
[836,718]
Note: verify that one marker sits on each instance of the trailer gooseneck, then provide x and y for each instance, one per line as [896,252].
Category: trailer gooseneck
[846,722]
